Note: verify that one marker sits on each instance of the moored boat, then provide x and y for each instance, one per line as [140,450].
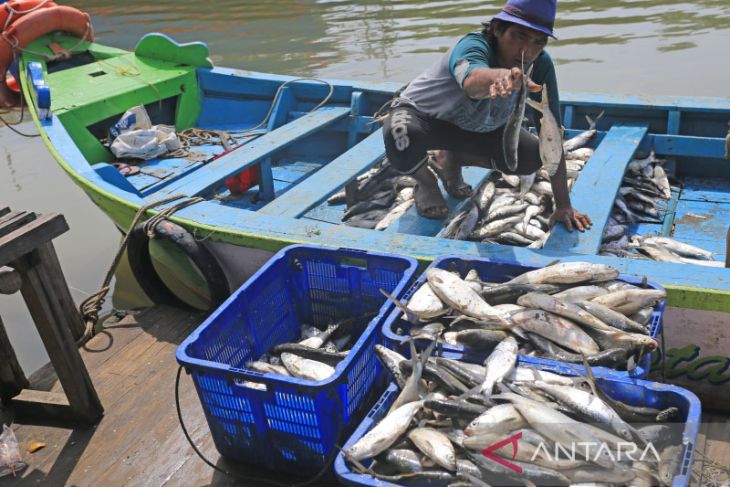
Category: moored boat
[309,139]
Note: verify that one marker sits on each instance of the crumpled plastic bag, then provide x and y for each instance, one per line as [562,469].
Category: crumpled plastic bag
[134,136]
[10,459]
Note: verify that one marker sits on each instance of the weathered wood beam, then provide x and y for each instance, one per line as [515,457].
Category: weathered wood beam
[42,404]
[12,378]
[28,237]
[41,284]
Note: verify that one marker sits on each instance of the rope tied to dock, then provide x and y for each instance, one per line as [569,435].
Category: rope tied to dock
[91,306]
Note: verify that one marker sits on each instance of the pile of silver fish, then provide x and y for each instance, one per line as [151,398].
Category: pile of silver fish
[505,209]
[566,311]
[458,424]
[642,198]
[512,210]
[379,197]
[314,356]
[665,249]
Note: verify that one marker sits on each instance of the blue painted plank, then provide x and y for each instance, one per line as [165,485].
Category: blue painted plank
[329,179]
[673,122]
[706,189]
[157,173]
[672,145]
[293,172]
[684,103]
[703,223]
[687,103]
[595,191]
[413,224]
[288,231]
[266,145]
[568,116]
[232,113]
[684,145]
[326,213]
[671,212]
[217,79]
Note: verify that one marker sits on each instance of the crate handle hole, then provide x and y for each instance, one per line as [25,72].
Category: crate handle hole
[257,386]
[354,262]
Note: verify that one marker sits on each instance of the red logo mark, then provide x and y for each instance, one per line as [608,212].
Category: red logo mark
[511,440]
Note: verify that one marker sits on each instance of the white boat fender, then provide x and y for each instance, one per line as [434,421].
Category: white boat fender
[144,272]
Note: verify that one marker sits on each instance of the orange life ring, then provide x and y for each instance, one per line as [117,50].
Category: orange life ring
[20,8]
[30,27]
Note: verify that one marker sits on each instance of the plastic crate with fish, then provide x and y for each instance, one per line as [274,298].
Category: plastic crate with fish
[284,422]
[526,453]
[555,321]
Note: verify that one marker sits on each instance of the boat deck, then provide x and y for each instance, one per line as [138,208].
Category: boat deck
[139,442]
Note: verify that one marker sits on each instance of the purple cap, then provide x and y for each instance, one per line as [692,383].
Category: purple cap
[535,14]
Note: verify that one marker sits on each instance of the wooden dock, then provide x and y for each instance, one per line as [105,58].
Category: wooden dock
[139,442]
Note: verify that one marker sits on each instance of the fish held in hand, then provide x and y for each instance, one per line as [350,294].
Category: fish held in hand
[551,135]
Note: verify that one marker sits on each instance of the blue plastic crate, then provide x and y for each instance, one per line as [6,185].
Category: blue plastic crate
[498,271]
[293,424]
[636,392]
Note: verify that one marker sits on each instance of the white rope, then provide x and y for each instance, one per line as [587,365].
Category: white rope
[12,11]
[276,96]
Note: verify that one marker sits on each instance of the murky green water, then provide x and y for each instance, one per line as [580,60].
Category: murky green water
[639,47]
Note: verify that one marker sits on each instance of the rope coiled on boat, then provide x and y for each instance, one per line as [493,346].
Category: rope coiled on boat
[230,139]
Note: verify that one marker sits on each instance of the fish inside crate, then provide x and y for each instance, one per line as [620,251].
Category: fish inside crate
[287,414]
[560,313]
[520,424]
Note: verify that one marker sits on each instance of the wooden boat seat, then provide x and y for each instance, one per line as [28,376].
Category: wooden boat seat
[254,152]
[330,179]
[596,189]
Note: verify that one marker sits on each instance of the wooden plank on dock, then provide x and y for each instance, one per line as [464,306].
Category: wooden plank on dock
[21,241]
[15,220]
[413,224]
[329,179]
[715,451]
[253,152]
[12,378]
[595,191]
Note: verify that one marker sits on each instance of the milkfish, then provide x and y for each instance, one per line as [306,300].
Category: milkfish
[583,138]
[513,127]
[551,134]
[385,433]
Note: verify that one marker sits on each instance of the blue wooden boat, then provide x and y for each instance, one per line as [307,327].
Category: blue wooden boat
[305,156]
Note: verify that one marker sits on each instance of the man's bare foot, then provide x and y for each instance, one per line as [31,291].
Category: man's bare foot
[430,203]
[450,175]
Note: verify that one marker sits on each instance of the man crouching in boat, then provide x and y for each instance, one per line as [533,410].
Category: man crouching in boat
[458,108]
